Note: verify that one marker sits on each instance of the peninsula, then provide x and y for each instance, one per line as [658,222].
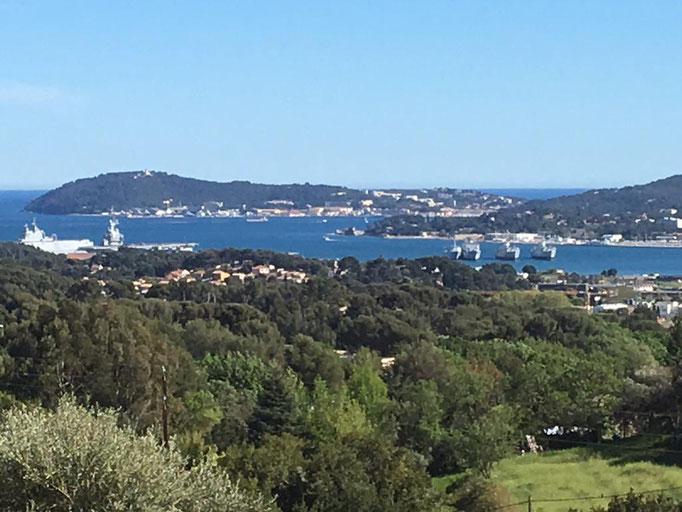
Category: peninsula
[648,213]
[640,214]
[149,193]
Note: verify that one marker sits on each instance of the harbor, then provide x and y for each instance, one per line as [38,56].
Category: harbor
[113,240]
[306,236]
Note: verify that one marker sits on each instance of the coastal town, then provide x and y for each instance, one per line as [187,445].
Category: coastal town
[440,202]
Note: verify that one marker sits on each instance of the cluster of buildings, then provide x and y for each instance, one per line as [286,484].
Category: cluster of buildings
[428,202]
[221,275]
[622,294]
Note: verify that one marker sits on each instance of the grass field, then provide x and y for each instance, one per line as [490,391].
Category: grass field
[584,472]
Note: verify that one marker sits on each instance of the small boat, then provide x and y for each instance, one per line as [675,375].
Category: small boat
[351,231]
[455,252]
[260,218]
[543,251]
[471,251]
[507,251]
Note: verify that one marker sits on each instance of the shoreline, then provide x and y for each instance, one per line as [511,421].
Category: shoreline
[625,243]
[474,237]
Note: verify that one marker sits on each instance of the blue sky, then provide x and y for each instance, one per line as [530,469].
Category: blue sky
[360,93]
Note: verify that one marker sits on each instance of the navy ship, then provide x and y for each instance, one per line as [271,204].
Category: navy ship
[471,251]
[113,241]
[113,238]
[543,251]
[36,237]
[507,251]
[455,252]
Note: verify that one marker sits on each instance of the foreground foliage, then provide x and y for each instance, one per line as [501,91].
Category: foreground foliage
[283,384]
[70,459]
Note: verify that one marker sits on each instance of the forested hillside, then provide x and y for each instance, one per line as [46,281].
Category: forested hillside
[126,190]
[444,369]
[637,212]
[649,198]
[151,190]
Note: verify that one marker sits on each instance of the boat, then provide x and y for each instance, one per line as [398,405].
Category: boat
[113,238]
[471,251]
[260,218]
[507,251]
[543,251]
[455,252]
[351,231]
[36,237]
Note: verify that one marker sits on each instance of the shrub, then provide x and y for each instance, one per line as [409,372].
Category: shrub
[72,460]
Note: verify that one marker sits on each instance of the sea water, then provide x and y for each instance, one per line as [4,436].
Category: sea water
[313,237]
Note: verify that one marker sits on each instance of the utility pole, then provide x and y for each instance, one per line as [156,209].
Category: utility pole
[164,410]
[530,504]
[587,298]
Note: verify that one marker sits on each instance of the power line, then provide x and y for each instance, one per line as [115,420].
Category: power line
[608,446]
[586,498]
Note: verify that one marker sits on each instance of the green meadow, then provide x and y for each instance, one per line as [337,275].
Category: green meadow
[586,472]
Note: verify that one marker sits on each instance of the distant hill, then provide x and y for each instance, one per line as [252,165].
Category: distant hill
[649,198]
[151,191]
[637,212]
[146,189]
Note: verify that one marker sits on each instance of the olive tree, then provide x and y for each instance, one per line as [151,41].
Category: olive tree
[70,459]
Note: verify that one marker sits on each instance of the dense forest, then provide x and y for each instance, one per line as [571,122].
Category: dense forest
[347,392]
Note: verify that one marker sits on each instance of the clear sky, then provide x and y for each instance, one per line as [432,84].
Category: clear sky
[360,93]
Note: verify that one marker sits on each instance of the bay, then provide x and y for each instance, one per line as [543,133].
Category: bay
[534,193]
[310,236]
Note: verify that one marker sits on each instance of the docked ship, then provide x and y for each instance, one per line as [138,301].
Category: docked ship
[36,237]
[543,251]
[507,251]
[471,251]
[113,238]
[455,252]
